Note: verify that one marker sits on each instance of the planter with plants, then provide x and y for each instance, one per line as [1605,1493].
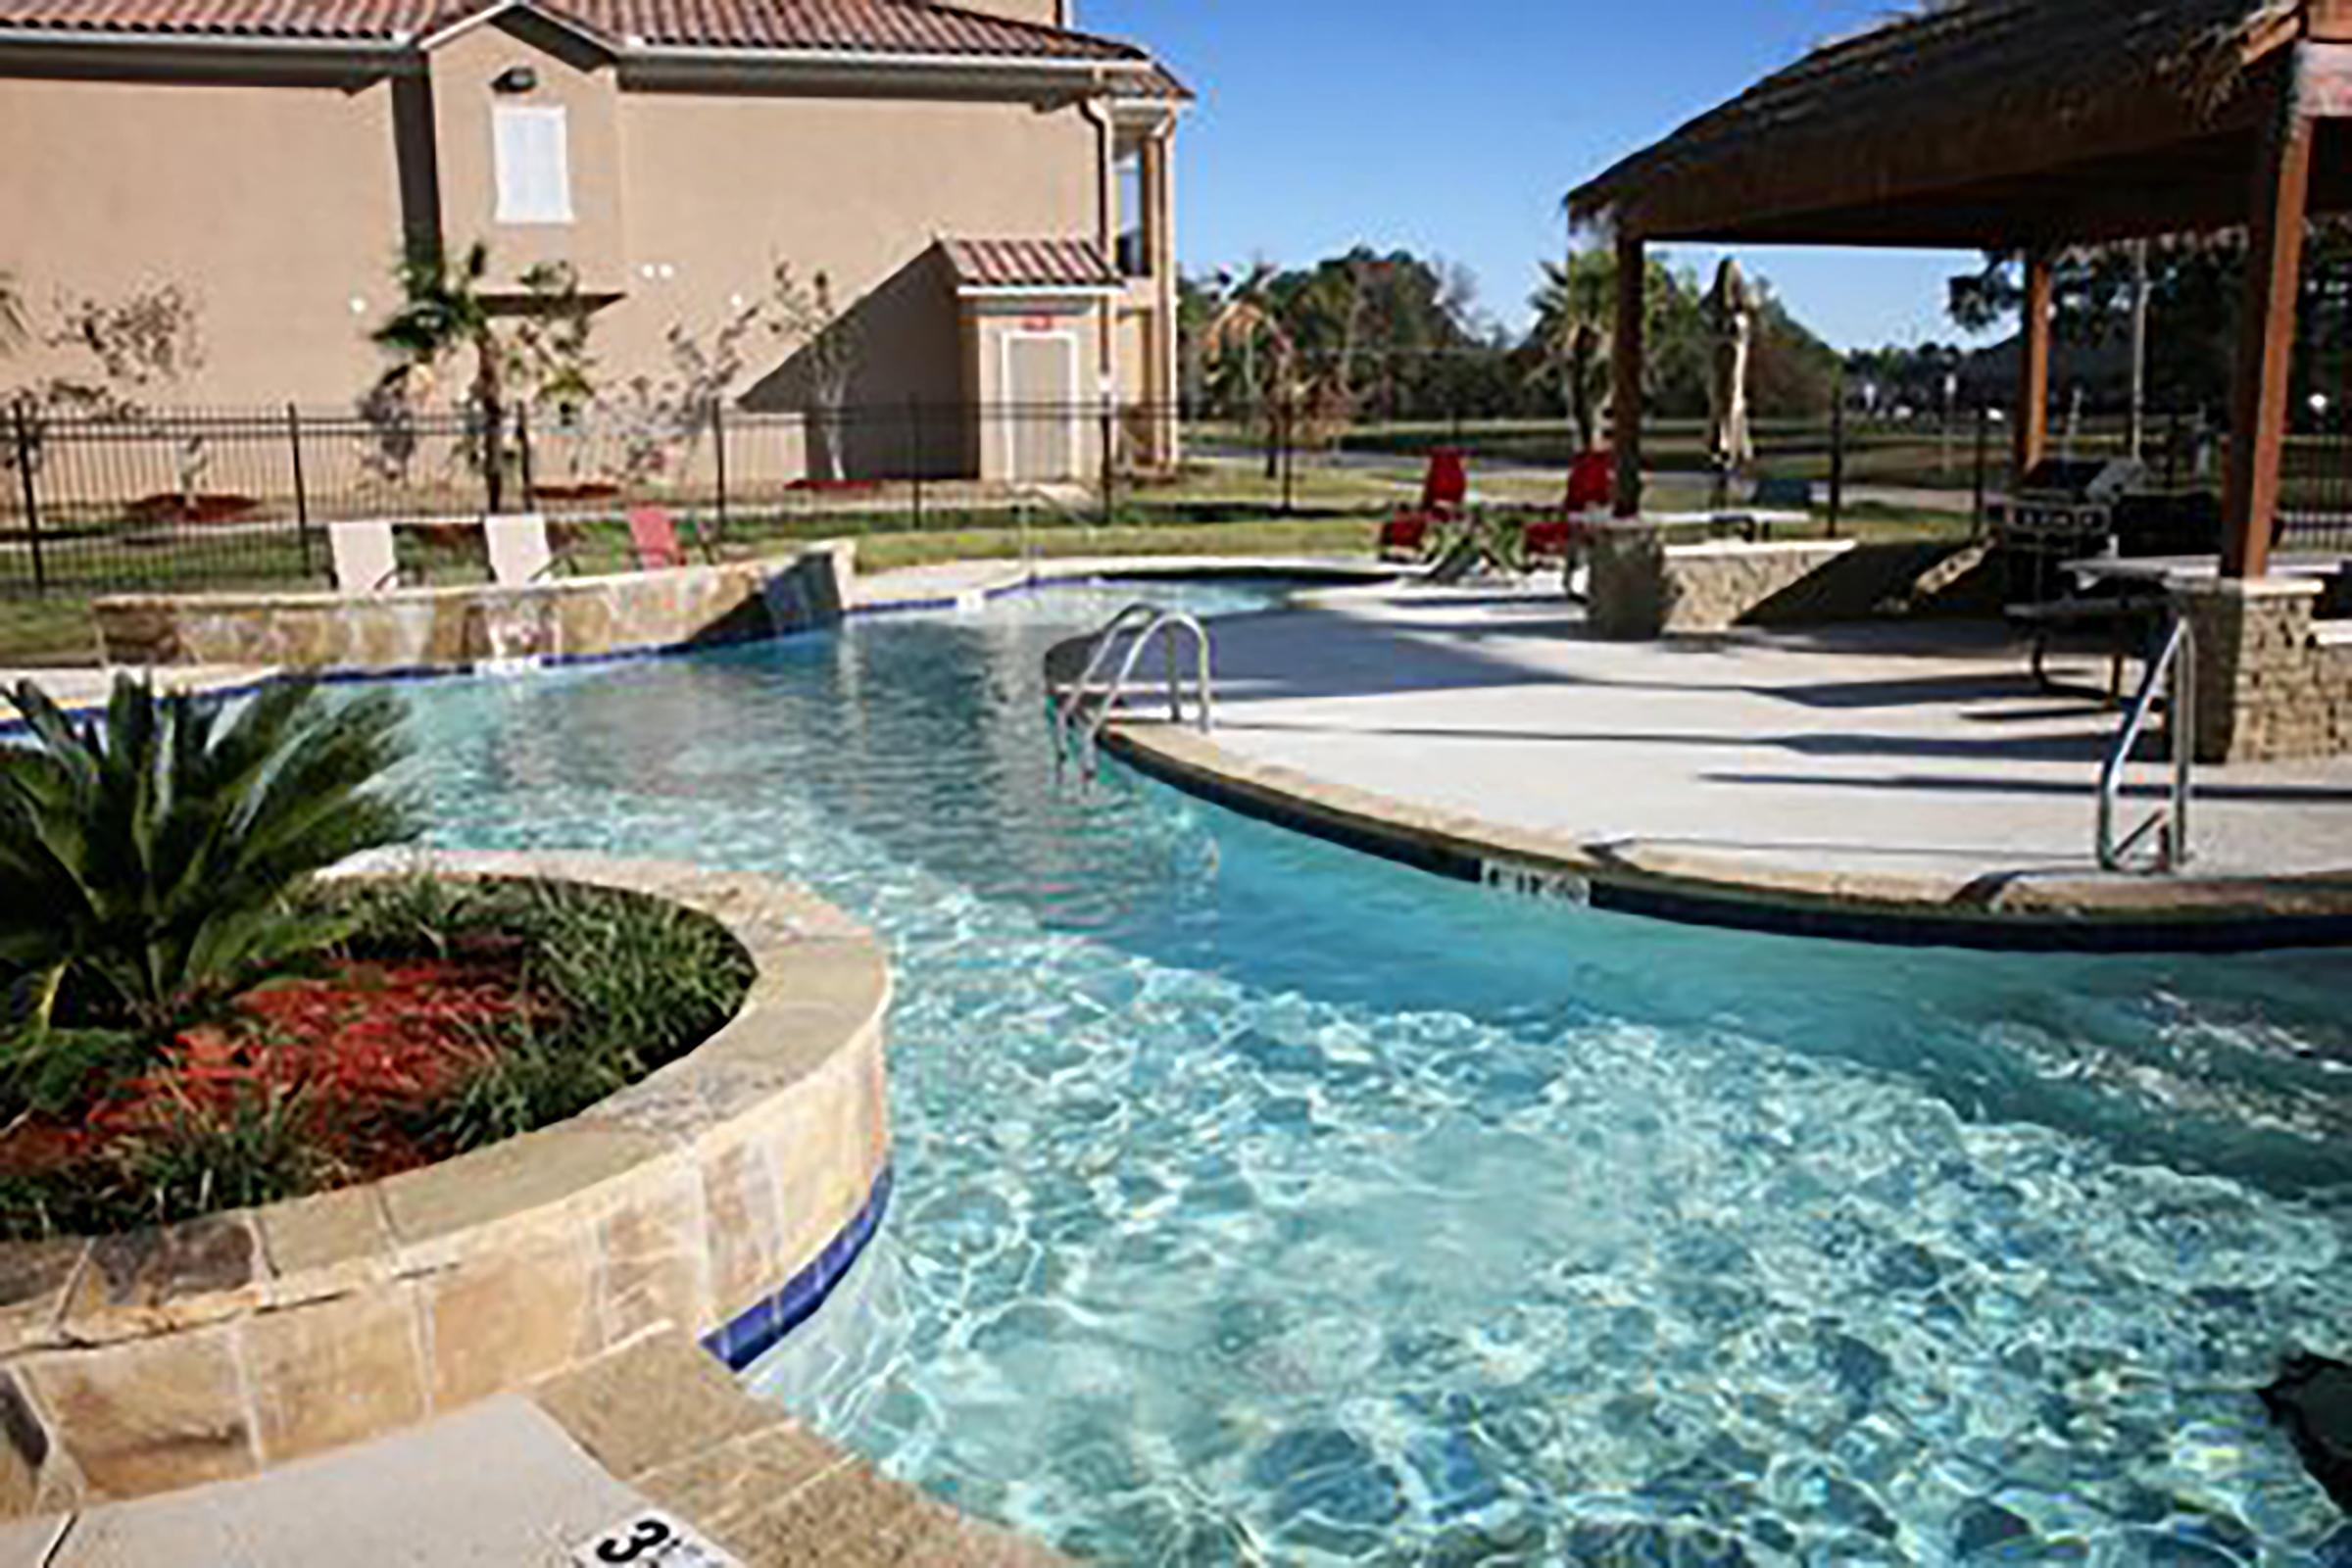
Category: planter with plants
[197,1021]
[292,1156]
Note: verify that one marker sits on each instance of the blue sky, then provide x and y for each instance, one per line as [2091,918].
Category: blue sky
[1456,128]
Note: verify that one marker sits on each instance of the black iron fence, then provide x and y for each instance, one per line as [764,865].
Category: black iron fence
[193,499]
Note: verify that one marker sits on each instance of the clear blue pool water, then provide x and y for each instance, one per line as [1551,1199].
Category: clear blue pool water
[1261,1202]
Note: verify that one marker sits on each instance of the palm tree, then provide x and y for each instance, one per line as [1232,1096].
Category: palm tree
[1574,312]
[149,863]
[445,311]
[1245,328]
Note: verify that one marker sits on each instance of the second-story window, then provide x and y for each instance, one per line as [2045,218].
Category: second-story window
[532,153]
[1135,251]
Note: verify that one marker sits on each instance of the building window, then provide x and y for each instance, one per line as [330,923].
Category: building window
[1135,252]
[533,158]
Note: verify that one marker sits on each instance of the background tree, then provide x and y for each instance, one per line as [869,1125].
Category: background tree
[2194,285]
[828,350]
[662,419]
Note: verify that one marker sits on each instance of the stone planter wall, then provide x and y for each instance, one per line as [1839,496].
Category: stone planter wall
[2272,685]
[459,628]
[721,1196]
[1644,587]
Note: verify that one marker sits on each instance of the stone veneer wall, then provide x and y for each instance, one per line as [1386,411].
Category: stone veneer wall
[458,628]
[2269,687]
[143,1363]
[1644,587]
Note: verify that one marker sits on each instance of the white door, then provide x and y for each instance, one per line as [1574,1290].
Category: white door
[1041,387]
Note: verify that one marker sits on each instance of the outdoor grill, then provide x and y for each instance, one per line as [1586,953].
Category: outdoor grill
[2065,509]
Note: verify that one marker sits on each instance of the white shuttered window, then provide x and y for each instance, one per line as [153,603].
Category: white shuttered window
[533,158]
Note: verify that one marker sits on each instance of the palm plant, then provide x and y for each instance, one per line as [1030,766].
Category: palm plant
[1575,309]
[1246,344]
[447,310]
[149,862]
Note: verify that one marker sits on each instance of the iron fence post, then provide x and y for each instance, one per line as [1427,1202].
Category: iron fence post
[915,455]
[1983,470]
[33,501]
[1110,462]
[718,461]
[1837,457]
[302,495]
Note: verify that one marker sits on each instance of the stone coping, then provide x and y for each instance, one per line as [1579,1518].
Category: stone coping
[1813,549]
[2027,912]
[695,1200]
[471,626]
[756,1482]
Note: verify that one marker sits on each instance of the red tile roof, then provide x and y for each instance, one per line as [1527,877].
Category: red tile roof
[1039,264]
[912,28]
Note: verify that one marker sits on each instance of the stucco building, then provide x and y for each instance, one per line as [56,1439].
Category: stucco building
[987,189]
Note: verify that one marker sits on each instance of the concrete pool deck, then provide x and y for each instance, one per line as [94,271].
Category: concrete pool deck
[81,688]
[1893,768]
[533,1478]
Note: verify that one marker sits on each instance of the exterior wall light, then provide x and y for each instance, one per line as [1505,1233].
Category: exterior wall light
[515,79]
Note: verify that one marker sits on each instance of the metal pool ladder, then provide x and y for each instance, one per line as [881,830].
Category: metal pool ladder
[1086,703]
[2172,683]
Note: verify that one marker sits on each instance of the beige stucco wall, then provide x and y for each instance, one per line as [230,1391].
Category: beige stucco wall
[277,207]
[856,188]
[1050,13]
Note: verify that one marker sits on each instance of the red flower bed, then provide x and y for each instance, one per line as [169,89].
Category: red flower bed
[352,1055]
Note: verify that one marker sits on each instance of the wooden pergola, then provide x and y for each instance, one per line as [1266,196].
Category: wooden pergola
[2033,126]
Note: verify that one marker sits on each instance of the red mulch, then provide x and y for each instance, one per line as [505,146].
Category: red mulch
[358,1048]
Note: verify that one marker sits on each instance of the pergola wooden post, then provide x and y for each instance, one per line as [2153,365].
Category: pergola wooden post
[2265,332]
[1626,371]
[2033,436]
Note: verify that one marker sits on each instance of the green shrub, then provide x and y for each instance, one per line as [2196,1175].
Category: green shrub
[622,984]
[149,862]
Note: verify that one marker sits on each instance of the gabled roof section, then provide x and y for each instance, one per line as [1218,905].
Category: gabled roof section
[877,30]
[1040,265]
[1958,94]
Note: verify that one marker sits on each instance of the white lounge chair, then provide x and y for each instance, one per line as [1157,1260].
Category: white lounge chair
[365,561]
[519,553]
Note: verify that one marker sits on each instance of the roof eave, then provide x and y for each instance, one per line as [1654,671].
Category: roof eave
[351,46]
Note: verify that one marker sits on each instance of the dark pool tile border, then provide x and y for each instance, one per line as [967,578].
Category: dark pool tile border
[1758,912]
[761,1328]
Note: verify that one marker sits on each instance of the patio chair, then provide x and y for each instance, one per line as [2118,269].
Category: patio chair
[519,552]
[365,560]
[1592,486]
[1444,490]
[654,540]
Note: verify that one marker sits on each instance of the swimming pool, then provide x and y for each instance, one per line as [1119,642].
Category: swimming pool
[1258,1200]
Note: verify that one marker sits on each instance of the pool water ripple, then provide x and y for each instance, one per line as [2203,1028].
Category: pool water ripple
[1258,1201]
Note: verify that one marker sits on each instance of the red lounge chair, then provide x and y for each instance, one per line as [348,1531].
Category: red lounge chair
[1592,486]
[1444,490]
[654,538]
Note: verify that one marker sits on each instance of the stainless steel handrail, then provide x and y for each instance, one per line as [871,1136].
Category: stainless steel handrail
[2172,679]
[1086,708]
